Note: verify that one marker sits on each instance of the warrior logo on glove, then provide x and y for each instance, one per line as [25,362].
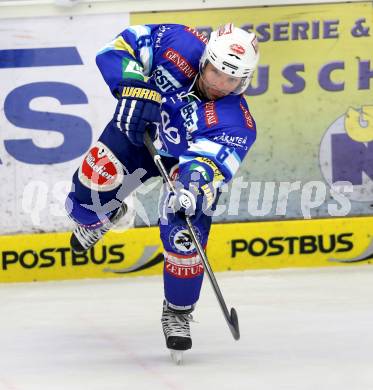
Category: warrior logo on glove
[138,109]
[142,93]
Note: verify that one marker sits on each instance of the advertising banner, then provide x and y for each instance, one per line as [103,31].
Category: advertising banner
[54,104]
[311,98]
[238,246]
[313,103]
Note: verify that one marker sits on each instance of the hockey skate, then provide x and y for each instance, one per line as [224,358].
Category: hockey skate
[83,238]
[177,332]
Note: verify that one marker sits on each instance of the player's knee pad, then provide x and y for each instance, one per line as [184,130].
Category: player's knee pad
[101,170]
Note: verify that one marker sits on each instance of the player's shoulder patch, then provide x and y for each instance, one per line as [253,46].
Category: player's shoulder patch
[210,112]
[180,49]
[249,121]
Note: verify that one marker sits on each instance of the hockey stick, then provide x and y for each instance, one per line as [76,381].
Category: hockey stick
[232,319]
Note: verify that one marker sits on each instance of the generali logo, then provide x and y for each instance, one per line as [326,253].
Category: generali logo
[210,114]
[181,63]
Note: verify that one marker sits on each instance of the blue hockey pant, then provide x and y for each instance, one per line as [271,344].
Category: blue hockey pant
[112,169]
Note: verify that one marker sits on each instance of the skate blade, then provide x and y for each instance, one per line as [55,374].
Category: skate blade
[177,356]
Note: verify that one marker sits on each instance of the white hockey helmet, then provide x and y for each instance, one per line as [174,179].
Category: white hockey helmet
[232,51]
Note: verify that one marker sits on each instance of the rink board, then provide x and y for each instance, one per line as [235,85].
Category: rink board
[238,246]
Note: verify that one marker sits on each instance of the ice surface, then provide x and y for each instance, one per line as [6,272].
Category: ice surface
[300,329]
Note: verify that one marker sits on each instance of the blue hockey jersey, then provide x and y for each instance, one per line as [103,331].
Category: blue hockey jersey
[215,134]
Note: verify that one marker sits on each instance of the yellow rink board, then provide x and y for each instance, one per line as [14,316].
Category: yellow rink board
[234,246]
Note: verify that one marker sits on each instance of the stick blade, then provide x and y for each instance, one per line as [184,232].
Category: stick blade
[235,328]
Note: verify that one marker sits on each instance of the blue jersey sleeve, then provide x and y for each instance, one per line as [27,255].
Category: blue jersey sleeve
[226,132]
[140,50]
[129,55]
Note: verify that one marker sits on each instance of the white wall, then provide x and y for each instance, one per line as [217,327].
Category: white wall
[32,8]
[32,193]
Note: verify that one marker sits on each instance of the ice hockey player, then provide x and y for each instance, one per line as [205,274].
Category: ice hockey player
[188,92]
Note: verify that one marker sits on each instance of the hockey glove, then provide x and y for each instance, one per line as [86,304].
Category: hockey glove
[139,105]
[194,196]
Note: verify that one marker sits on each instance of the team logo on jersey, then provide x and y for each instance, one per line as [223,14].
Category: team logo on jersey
[181,241]
[236,48]
[180,62]
[211,117]
[101,170]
